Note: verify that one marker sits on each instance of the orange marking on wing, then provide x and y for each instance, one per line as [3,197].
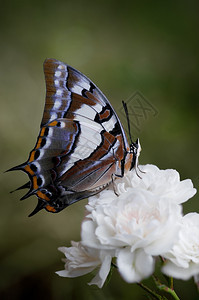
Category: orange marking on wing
[54,123]
[42,196]
[38,143]
[42,131]
[50,208]
[34,180]
[105,115]
[32,156]
[28,169]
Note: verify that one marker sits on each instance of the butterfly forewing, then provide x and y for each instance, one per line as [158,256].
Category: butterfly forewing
[81,143]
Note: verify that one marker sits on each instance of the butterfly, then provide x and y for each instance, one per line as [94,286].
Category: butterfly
[81,147]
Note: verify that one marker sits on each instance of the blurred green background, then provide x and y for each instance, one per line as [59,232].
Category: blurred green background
[124,47]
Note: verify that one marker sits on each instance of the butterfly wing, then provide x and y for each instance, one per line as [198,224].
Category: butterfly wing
[81,143]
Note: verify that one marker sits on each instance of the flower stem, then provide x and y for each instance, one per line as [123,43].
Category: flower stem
[171,282]
[155,295]
[163,287]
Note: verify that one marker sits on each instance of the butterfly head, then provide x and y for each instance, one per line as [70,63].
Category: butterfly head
[135,149]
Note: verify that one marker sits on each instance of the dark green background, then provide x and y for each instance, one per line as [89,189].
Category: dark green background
[127,46]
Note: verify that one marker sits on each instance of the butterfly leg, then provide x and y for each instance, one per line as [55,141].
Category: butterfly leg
[137,172]
[114,189]
[141,170]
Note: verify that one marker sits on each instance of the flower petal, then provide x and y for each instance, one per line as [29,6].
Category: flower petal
[173,270]
[134,266]
[103,272]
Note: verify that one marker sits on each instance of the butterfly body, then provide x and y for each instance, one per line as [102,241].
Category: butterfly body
[81,145]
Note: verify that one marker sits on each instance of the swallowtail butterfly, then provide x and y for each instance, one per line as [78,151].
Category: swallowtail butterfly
[81,147]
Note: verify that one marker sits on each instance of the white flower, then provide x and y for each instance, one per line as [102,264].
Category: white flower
[183,258]
[81,260]
[140,223]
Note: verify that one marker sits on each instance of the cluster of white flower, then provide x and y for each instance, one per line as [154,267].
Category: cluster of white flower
[144,220]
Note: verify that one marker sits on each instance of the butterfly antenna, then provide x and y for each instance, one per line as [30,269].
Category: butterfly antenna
[128,121]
